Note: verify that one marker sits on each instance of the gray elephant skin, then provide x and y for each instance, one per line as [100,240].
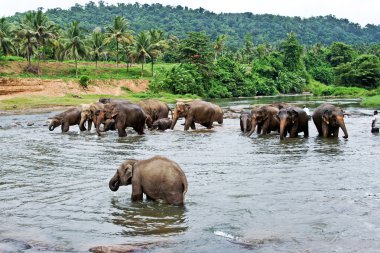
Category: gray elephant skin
[293,120]
[328,119]
[245,122]
[162,124]
[68,118]
[124,115]
[204,113]
[264,117]
[154,109]
[159,178]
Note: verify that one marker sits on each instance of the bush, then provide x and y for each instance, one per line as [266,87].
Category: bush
[290,82]
[84,80]
[218,91]
[264,86]
[323,74]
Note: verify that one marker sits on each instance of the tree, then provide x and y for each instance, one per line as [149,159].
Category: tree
[292,50]
[119,32]
[26,34]
[75,44]
[5,37]
[219,44]
[97,45]
[158,45]
[340,53]
[143,44]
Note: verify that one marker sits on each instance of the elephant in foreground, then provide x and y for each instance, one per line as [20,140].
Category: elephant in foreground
[154,109]
[328,119]
[204,113]
[264,117]
[293,120]
[66,119]
[162,124]
[88,114]
[158,178]
[245,122]
[124,115]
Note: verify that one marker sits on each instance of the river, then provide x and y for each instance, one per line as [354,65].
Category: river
[245,194]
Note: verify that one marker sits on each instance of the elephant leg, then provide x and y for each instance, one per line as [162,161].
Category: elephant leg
[149,198]
[259,129]
[325,130]
[192,125]
[306,131]
[336,132]
[189,122]
[137,193]
[89,124]
[65,127]
[139,130]
[173,197]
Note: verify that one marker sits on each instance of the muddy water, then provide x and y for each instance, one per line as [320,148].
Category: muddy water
[298,195]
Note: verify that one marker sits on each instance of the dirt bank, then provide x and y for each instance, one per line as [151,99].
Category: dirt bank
[21,87]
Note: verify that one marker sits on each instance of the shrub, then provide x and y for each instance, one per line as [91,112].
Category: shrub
[323,74]
[290,82]
[84,80]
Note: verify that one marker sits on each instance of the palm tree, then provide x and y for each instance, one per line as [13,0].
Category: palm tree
[219,45]
[5,35]
[158,45]
[119,32]
[26,36]
[141,48]
[75,44]
[97,44]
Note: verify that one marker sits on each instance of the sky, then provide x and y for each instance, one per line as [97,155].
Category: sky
[357,11]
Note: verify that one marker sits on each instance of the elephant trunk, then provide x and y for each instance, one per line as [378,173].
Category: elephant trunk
[282,129]
[252,129]
[81,124]
[51,127]
[114,183]
[343,126]
[244,125]
[175,118]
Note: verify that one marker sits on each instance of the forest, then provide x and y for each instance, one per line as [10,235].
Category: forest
[210,55]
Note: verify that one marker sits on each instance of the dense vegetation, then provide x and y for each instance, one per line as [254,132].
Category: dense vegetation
[178,21]
[202,63]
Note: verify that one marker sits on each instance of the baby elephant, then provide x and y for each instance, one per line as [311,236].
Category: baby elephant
[162,124]
[158,177]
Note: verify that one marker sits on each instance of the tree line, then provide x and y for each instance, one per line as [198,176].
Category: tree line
[206,67]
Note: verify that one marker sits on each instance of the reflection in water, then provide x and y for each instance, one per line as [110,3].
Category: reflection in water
[149,218]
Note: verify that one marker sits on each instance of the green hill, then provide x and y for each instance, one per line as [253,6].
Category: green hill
[180,20]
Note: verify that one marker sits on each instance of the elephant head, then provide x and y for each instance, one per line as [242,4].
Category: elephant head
[86,115]
[332,120]
[288,117]
[100,118]
[181,110]
[245,122]
[258,115]
[123,175]
[55,122]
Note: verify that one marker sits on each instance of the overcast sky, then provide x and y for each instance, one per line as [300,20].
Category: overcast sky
[357,11]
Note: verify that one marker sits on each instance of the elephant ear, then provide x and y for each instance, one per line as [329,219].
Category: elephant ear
[128,171]
[114,113]
[326,116]
[294,115]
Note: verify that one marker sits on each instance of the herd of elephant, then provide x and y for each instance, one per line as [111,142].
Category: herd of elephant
[160,178]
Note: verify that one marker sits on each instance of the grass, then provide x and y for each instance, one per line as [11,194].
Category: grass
[373,101]
[30,102]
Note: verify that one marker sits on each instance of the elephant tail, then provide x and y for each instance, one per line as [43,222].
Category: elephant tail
[184,185]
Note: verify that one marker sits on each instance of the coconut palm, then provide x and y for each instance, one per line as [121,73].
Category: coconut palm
[219,45]
[97,45]
[5,37]
[119,33]
[75,43]
[141,48]
[158,45]
[25,34]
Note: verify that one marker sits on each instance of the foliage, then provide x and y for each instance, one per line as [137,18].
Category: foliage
[290,82]
[363,72]
[84,80]
[292,51]
[340,53]
[371,101]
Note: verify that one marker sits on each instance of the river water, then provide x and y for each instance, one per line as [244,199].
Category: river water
[245,194]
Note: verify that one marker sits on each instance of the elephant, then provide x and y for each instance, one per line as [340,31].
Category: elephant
[159,178]
[328,119]
[154,109]
[245,122]
[162,124]
[115,101]
[88,114]
[204,113]
[264,117]
[66,119]
[293,120]
[125,115]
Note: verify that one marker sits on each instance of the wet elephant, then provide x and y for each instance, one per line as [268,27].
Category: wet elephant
[264,117]
[115,101]
[204,113]
[245,122]
[328,119]
[124,115]
[68,118]
[293,120]
[154,109]
[162,124]
[158,178]
[88,114]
